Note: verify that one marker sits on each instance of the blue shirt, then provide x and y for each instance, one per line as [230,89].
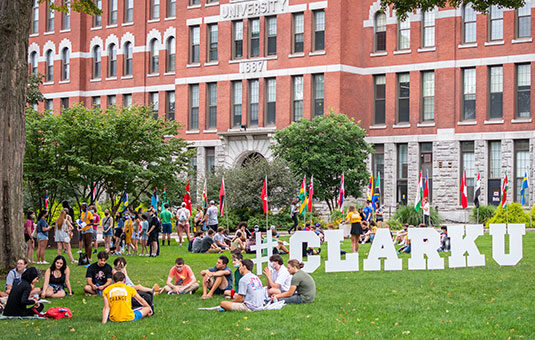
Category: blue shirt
[228,277]
[367,212]
[40,226]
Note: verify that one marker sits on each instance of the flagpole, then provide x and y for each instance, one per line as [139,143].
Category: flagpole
[267,223]
[477,220]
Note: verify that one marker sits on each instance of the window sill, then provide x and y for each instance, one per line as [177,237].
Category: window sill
[402,52]
[378,127]
[169,74]
[521,40]
[169,18]
[491,122]
[427,49]
[96,28]
[193,65]
[378,54]
[153,75]
[313,53]
[469,122]
[49,33]
[94,80]
[48,83]
[211,4]
[112,26]
[425,124]
[65,31]
[494,43]
[237,61]
[33,35]
[64,81]
[296,55]
[211,63]
[111,78]
[127,77]
[191,132]
[193,6]
[127,24]
[401,125]
[210,131]
[153,21]
[469,45]
[521,120]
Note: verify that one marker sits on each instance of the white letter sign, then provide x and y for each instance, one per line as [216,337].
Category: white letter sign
[429,247]
[515,232]
[461,245]
[296,248]
[382,246]
[334,261]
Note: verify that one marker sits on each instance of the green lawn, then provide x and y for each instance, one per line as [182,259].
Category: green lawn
[469,303]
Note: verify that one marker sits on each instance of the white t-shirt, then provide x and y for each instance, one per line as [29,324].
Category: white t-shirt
[282,277]
[250,287]
[219,237]
[426,209]
[183,214]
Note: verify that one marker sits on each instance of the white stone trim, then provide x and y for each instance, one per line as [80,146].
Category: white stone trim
[212,19]
[105,92]
[65,43]
[154,34]
[298,8]
[317,5]
[128,37]
[169,32]
[33,48]
[193,21]
[453,136]
[112,38]
[94,42]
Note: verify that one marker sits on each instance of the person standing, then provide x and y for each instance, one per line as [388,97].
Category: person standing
[198,220]
[63,232]
[167,226]
[293,214]
[42,236]
[118,233]
[367,211]
[96,223]
[354,218]
[183,215]
[107,229]
[379,214]
[143,235]
[29,227]
[211,216]
[427,212]
[87,229]
[154,229]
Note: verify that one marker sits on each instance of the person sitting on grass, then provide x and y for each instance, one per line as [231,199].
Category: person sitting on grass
[251,294]
[406,245]
[208,245]
[400,235]
[196,242]
[181,279]
[444,239]
[14,276]
[118,302]
[366,231]
[119,265]
[98,275]
[302,287]
[238,242]
[237,257]
[219,238]
[57,278]
[216,279]
[20,297]
[278,277]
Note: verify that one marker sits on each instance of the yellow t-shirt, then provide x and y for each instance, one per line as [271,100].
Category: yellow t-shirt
[353,217]
[120,297]
[87,218]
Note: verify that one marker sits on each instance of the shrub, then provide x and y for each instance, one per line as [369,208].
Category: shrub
[486,212]
[515,215]
[407,214]
[393,224]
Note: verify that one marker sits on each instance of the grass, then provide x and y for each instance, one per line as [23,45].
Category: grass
[466,303]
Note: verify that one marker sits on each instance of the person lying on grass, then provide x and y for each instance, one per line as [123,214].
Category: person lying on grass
[251,294]
[216,279]
[119,265]
[181,279]
[118,302]
[302,288]
[98,275]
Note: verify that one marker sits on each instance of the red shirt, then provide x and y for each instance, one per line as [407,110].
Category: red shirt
[181,278]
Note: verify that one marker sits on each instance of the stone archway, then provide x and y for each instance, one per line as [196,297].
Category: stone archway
[251,157]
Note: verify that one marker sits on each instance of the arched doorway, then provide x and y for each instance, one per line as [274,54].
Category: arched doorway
[251,158]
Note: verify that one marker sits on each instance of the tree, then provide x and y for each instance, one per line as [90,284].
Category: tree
[403,7]
[326,147]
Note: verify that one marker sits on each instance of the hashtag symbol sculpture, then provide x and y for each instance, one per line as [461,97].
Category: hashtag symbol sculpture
[269,244]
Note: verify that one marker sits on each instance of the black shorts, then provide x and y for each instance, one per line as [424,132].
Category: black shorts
[356,228]
[379,218]
[153,237]
[27,237]
[118,232]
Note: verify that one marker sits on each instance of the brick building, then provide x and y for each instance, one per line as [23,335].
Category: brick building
[443,92]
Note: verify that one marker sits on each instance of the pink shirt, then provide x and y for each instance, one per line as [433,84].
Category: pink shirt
[28,226]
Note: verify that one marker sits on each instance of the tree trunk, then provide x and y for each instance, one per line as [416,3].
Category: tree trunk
[14,30]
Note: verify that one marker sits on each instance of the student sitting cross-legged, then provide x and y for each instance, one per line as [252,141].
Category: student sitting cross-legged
[251,294]
[181,279]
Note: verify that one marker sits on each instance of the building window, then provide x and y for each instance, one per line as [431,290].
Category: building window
[237,39]
[379,99]
[194,2]
[127,100]
[523,21]
[298,33]
[210,160]
[33,63]
[254,37]
[170,105]
[195,41]
[380,32]
[49,104]
[378,166]
[66,16]
[496,92]
[495,159]
[211,120]
[112,100]
[64,103]
[128,11]
[97,18]
[171,8]
[521,167]
[96,62]
[154,102]
[170,54]
[496,23]
[95,101]
[236,103]
[319,94]
[426,164]
[428,29]
[402,173]
[128,55]
[49,76]
[154,9]
[112,16]
[65,63]
[35,17]
[404,35]
[404,92]
[469,94]
[254,97]
[428,96]
[468,165]
[271,35]
[318,44]
[297,98]
[271,96]
[154,56]
[469,24]
[112,60]
[194,107]
[523,90]
[212,42]
[49,17]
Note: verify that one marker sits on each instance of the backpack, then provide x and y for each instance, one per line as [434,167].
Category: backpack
[58,313]
[83,259]
[182,217]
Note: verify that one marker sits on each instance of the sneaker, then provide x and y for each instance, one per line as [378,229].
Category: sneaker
[171,293]
[79,251]
[44,262]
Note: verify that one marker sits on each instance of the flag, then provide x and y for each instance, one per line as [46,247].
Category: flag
[341,194]
[124,203]
[204,196]
[426,186]
[222,197]
[464,192]
[419,193]
[303,197]
[477,190]
[264,196]
[505,187]
[376,192]
[524,189]
[46,200]
[369,189]
[164,198]
[154,198]
[94,192]
[187,198]
[310,193]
